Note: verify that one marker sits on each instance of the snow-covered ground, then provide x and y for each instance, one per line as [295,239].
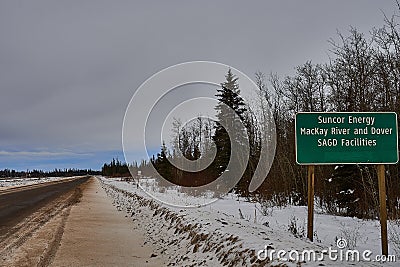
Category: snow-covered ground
[15,182]
[234,232]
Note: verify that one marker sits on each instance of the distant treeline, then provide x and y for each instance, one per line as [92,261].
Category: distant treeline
[115,169]
[54,173]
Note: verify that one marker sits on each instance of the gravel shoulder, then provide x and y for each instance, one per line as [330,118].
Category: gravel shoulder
[97,234]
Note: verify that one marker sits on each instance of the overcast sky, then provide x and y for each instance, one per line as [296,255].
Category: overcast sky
[69,68]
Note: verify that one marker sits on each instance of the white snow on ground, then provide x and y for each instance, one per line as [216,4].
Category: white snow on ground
[15,182]
[220,234]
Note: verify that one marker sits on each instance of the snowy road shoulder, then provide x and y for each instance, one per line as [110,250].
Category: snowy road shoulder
[218,234]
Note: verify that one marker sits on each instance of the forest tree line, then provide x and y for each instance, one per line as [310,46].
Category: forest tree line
[361,75]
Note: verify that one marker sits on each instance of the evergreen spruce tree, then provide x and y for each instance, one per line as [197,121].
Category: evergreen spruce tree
[162,165]
[229,98]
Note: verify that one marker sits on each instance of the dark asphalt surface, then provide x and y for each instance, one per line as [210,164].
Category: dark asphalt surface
[15,206]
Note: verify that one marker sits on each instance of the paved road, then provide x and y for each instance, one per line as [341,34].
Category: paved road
[69,223]
[18,203]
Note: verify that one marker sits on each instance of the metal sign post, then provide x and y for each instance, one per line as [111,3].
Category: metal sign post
[382,208]
[310,202]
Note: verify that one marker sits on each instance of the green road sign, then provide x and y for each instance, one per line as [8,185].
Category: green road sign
[346,138]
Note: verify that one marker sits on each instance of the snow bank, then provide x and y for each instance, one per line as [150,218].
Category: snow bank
[16,182]
[220,234]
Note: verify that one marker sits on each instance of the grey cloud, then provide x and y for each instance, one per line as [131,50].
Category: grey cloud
[69,68]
